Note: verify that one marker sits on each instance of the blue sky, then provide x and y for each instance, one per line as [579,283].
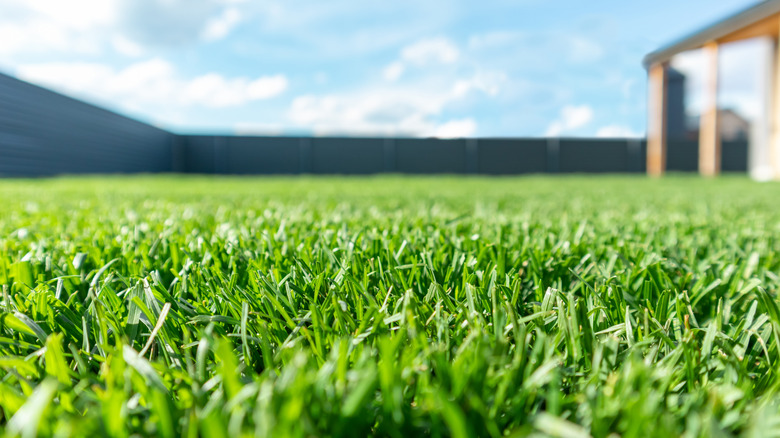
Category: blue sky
[419,68]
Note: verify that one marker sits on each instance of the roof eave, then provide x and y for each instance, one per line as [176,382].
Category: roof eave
[714,32]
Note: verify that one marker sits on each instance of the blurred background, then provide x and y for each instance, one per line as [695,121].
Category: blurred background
[233,86]
[417,68]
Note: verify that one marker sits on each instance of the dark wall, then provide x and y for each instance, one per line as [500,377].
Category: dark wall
[199,154]
[490,156]
[683,156]
[430,155]
[596,156]
[497,156]
[734,156]
[46,133]
[241,155]
[347,155]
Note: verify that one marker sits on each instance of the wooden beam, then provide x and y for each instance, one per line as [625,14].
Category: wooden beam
[765,27]
[709,131]
[746,24]
[656,120]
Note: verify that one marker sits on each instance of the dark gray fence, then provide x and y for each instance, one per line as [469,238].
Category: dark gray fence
[491,156]
[683,156]
[46,133]
[496,156]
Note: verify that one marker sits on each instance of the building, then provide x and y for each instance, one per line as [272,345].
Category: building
[759,21]
[731,126]
[677,121]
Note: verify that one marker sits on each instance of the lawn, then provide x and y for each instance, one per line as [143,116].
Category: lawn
[389,306]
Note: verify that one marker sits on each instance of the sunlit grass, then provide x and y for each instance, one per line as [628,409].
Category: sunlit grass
[390,306]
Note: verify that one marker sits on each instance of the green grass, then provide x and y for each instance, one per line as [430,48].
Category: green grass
[567,307]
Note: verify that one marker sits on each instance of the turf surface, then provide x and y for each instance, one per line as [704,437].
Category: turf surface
[391,306]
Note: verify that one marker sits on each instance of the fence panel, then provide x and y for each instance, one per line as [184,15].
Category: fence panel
[199,153]
[45,133]
[265,155]
[682,155]
[594,156]
[511,156]
[332,155]
[734,156]
[428,155]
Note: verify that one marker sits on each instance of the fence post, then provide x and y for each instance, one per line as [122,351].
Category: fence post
[472,155]
[388,150]
[304,148]
[553,155]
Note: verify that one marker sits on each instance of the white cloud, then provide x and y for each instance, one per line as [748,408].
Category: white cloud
[457,129]
[422,53]
[219,27]
[216,91]
[429,51]
[393,71]
[375,113]
[397,110]
[488,82]
[126,47]
[256,128]
[94,27]
[267,87]
[44,26]
[42,36]
[176,22]
[571,117]
[75,14]
[433,81]
[153,82]
[616,131]
[554,129]
[75,76]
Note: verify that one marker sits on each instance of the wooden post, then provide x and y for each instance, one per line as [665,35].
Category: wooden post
[709,131]
[656,121]
[774,117]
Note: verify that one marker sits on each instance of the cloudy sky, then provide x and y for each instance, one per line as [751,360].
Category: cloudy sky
[401,67]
